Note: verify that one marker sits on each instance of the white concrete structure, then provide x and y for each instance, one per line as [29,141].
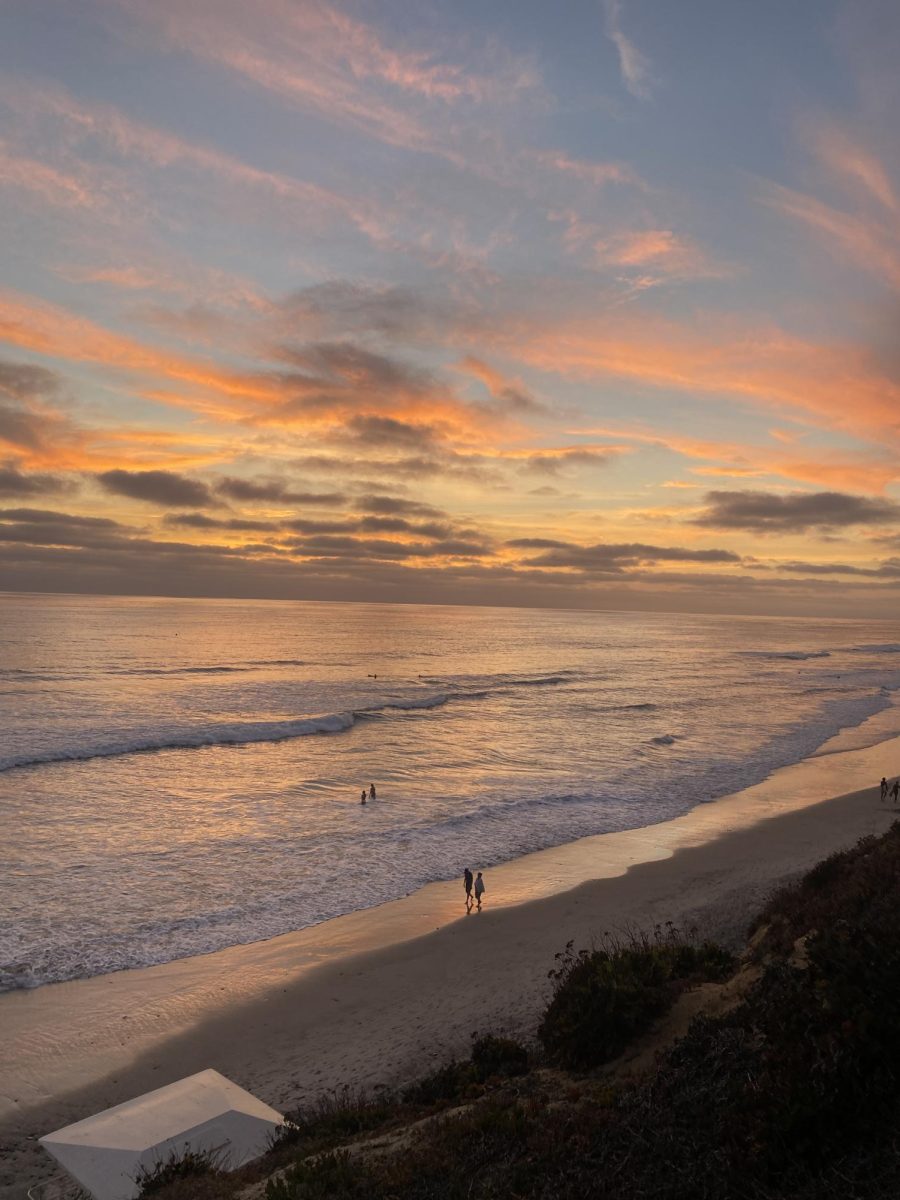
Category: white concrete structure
[106,1152]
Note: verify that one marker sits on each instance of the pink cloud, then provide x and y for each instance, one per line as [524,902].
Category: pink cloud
[844,155]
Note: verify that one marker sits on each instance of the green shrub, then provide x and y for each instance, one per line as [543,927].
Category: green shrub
[498,1056]
[449,1082]
[327,1177]
[187,1164]
[604,998]
[344,1112]
[492,1057]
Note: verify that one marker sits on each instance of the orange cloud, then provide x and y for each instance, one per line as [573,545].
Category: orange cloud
[648,246]
[836,383]
[47,329]
[871,472]
[52,186]
[321,386]
[865,243]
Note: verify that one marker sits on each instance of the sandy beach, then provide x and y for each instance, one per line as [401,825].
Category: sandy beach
[379,996]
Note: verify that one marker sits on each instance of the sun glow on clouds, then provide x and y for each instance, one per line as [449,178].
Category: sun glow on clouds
[339,298]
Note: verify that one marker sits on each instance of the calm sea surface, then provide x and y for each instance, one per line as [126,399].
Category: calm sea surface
[177,776]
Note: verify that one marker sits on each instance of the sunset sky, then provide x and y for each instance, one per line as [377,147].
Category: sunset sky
[586,305]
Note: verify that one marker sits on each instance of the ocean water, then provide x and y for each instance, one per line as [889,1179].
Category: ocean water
[177,776]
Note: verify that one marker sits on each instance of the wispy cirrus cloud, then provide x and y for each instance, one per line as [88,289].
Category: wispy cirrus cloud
[51,186]
[866,470]
[637,73]
[841,386]
[867,243]
[845,155]
[71,125]
[318,57]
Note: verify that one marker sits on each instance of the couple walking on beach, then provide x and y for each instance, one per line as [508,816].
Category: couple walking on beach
[893,792]
[476,886]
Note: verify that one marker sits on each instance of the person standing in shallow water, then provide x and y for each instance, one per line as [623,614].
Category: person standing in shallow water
[479,888]
[362,798]
[371,791]
[467,880]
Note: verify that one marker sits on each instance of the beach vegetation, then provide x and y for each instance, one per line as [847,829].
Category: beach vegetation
[605,997]
[788,1088]
[180,1165]
[491,1058]
[342,1113]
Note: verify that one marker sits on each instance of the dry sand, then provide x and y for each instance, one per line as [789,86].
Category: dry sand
[381,996]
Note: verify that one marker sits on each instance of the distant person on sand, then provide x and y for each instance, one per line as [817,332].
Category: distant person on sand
[362,798]
[479,888]
[371,791]
[883,787]
[895,790]
[467,880]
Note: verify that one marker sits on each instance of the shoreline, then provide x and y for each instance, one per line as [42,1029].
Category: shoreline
[379,995]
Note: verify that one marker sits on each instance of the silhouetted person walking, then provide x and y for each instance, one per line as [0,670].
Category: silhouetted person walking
[883,788]
[467,881]
[895,790]
[479,888]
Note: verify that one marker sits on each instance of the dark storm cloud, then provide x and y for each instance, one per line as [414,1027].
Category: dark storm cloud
[201,521]
[763,512]
[275,491]
[386,432]
[389,505]
[537,543]
[616,557]
[363,368]
[394,312]
[20,427]
[312,525]
[143,567]
[338,377]
[430,530]
[14,482]
[889,569]
[25,416]
[42,527]
[157,487]
[385,549]
[39,516]
[554,464]
[443,462]
[22,381]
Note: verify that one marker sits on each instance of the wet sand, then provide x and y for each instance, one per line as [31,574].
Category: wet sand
[380,996]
